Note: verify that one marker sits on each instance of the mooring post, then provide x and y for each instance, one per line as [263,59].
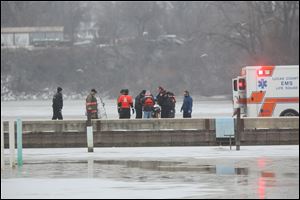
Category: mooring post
[20,142]
[230,141]
[11,129]
[89,133]
[238,129]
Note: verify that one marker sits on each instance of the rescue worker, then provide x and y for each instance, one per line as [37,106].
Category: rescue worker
[171,105]
[57,104]
[138,105]
[92,105]
[187,105]
[121,93]
[148,103]
[124,104]
[162,101]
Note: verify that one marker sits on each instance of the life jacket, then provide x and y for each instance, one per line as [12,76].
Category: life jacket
[148,101]
[125,101]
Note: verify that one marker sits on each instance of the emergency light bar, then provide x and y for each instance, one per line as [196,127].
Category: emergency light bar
[265,71]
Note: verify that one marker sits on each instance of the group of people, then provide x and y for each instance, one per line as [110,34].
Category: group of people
[145,105]
[162,105]
[148,106]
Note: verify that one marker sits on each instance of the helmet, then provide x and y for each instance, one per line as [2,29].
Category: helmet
[93,90]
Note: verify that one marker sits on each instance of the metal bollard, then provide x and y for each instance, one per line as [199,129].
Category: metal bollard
[20,142]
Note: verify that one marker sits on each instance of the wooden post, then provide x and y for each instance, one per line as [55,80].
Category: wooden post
[238,130]
[230,141]
[11,128]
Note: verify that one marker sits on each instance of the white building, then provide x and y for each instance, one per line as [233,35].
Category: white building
[29,36]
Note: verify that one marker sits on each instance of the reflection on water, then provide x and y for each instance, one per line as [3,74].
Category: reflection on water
[177,167]
[266,179]
[240,179]
[66,168]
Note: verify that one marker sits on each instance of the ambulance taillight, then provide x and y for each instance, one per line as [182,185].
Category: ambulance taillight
[242,84]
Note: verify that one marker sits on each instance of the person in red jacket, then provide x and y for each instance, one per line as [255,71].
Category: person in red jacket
[125,102]
[148,103]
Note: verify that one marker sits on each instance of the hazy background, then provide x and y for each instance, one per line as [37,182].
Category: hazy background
[199,46]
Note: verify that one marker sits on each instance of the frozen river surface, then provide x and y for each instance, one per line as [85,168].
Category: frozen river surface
[75,109]
[155,172]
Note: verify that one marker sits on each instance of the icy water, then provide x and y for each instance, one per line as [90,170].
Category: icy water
[156,172]
[75,109]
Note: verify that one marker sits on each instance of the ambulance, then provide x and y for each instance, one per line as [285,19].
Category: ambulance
[267,91]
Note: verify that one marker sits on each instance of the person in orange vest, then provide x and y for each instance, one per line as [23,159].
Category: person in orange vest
[124,103]
[92,105]
[121,93]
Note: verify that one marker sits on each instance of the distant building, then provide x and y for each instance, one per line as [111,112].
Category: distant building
[30,36]
[87,31]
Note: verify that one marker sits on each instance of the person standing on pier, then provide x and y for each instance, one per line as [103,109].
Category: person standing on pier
[187,105]
[138,105]
[57,104]
[125,102]
[92,105]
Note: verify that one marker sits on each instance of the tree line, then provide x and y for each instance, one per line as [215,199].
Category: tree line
[198,46]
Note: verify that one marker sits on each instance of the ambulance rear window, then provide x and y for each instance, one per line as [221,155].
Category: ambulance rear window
[235,85]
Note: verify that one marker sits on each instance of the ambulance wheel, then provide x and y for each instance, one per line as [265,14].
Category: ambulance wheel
[289,113]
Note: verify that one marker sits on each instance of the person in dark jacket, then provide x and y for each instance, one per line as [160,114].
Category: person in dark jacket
[187,105]
[162,101]
[138,105]
[171,104]
[57,104]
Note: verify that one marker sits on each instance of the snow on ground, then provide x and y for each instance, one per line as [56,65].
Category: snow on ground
[75,109]
[96,188]
[155,172]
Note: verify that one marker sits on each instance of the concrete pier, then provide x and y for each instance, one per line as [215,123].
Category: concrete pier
[154,132]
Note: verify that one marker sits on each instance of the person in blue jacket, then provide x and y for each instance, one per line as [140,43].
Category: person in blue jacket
[187,105]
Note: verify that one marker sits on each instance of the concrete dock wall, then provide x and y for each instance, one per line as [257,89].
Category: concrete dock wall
[153,132]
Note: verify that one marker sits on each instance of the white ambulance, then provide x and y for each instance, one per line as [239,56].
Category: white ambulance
[267,91]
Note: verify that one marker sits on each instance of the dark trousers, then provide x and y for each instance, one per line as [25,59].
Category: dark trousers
[164,112]
[172,113]
[138,113]
[125,113]
[187,115]
[57,114]
[92,116]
